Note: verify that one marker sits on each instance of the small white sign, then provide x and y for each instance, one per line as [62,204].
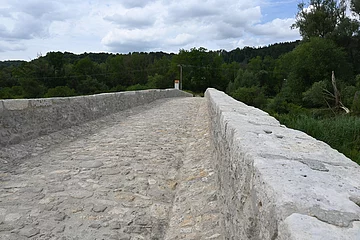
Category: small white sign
[177,83]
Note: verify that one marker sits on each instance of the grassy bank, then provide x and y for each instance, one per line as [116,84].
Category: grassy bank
[341,132]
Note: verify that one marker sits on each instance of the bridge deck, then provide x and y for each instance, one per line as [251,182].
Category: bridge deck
[144,173]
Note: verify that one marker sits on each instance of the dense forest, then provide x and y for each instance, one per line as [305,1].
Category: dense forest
[312,85]
[67,74]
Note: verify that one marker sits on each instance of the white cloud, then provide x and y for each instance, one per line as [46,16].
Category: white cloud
[125,40]
[35,8]
[279,28]
[135,3]
[133,18]
[180,39]
[243,17]
[5,46]
[34,26]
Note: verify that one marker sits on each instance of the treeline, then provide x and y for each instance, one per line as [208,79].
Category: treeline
[68,74]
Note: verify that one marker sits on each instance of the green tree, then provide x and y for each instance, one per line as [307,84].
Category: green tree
[313,61]
[319,18]
[229,72]
[252,96]
[201,69]
[90,86]
[355,6]
[118,73]
[32,88]
[314,96]
[356,103]
[159,81]
[11,92]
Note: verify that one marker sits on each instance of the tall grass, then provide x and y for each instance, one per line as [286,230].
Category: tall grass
[340,132]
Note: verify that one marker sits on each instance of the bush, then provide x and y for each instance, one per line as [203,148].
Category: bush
[137,87]
[314,96]
[347,95]
[13,92]
[251,96]
[118,88]
[91,85]
[356,103]
[60,91]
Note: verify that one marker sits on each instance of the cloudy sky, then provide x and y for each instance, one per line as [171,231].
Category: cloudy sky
[29,28]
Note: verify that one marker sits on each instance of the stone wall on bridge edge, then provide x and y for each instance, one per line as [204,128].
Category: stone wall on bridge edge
[25,119]
[280,183]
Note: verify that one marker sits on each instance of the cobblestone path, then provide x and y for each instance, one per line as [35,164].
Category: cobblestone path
[145,173]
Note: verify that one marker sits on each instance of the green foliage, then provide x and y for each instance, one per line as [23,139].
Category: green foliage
[347,95]
[11,92]
[251,96]
[244,55]
[137,87]
[90,86]
[311,62]
[201,69]
[314,96]
[118,88]
[159,81]
[32,88]
[355,6]
[60,91]
[356,103]
[319,18]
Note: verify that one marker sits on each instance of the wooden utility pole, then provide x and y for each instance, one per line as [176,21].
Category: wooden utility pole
[181,80]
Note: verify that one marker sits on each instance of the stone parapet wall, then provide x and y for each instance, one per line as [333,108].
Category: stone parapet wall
[25,119]
[279,183]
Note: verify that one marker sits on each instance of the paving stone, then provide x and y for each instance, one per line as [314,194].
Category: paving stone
[91,164]
[120,177]
[12,217]
[95,225]
[29,232]
[115,225]
[98,208]
[59,216]
[80,194]
[59,229]
[6,227]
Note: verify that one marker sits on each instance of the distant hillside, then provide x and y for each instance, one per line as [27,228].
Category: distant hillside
[15,63]
[242,55]
[245,54]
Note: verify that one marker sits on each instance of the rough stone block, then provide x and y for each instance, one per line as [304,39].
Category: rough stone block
[45,102]
[60,100]
[16,104]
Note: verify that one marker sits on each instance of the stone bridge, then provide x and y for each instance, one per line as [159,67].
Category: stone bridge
[158,164]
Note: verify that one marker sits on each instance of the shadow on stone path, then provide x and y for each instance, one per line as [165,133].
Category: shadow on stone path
[145,173]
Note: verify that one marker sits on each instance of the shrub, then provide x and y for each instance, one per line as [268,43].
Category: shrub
[137,87]
[314,96]
[60,91]
[356,103]
[251,96]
